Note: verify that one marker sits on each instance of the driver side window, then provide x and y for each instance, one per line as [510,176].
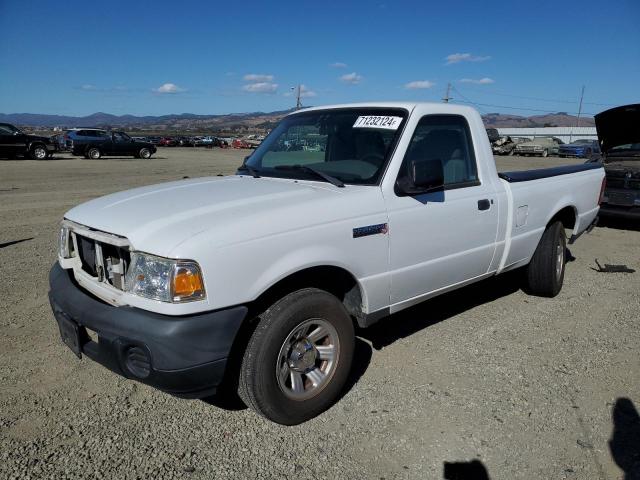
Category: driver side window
[446,138]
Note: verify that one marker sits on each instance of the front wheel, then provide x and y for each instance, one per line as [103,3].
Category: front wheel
[144,153]
[38,152]
[545,272]
[298,358]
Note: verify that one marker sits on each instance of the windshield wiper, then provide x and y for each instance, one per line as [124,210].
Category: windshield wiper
[317,173]
[249,169]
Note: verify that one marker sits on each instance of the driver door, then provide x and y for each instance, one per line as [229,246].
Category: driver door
[443,238]
[121,144]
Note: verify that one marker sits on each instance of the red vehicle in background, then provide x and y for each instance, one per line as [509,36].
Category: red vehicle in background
[168,142]
[237,143]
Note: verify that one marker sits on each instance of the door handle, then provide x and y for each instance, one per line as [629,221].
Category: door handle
[484,204]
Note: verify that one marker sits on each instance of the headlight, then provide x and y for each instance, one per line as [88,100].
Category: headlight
[164,279]
[63,242]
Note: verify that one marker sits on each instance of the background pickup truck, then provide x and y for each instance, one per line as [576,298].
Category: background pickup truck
[14,142]
[111,143]
[253,283]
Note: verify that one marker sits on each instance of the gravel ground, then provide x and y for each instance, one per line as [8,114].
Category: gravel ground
[486,379]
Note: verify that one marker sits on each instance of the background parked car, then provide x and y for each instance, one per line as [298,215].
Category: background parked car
[168,142]
[83,135]
[208,141]
[543,146]
[113,143]
[14,142]
[505,145]
[581,149]
[185,142]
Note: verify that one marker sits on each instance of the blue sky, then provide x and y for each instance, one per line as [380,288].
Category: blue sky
[160,57]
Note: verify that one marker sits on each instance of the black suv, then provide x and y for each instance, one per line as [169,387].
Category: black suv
[111,143]
[14,142]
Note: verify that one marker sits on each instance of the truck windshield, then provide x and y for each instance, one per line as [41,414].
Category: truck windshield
[351,145]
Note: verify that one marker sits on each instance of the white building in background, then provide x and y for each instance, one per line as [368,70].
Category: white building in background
[566,134]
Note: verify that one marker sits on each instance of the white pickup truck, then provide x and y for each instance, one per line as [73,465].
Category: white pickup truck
[342,216]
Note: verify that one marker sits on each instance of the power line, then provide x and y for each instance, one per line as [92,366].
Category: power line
[514,108]
[539,99]
[469,101]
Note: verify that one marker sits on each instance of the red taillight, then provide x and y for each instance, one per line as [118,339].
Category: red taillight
[604,185]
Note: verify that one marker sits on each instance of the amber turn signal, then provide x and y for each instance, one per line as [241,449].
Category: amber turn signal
[187,283]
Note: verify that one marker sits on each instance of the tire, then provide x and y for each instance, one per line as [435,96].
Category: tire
[282,376]
[94,153]
[545,153]
[144,153]
[545,272]
[38,152]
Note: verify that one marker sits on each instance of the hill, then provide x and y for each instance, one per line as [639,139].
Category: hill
[244,121]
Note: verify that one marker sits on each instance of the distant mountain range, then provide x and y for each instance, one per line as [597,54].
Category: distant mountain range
[560,119]
[243,121]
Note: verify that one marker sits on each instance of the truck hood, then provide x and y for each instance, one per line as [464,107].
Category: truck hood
[618,126]
[159,218]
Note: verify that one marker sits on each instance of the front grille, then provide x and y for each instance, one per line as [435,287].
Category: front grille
[104,261]
[87,253]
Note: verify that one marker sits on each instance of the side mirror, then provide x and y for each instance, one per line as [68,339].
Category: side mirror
[422,177]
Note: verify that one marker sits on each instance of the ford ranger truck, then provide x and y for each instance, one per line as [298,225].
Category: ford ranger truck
[342,216]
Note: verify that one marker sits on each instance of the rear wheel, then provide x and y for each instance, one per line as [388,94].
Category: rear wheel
[545,272]
[298,358]
[38,152]
[545,153]
[94,153]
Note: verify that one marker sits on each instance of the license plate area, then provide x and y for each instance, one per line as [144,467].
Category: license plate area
[70,332]
[622,199]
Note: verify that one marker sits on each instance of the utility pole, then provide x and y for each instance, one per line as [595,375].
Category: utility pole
[447,95]
[580,107]
[579,113]
[298,102]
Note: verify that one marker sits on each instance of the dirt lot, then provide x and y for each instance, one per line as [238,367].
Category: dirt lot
[525,387]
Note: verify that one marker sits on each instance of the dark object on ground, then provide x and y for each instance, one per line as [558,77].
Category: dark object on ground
[612,268]
[473,470]
[625,440]
[7,244]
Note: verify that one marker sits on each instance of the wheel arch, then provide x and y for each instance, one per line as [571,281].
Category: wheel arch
[334,279]
[567,215]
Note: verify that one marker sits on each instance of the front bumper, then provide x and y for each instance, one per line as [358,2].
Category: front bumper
[185,356]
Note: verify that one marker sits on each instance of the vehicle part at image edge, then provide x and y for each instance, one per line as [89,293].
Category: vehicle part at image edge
[260,386]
